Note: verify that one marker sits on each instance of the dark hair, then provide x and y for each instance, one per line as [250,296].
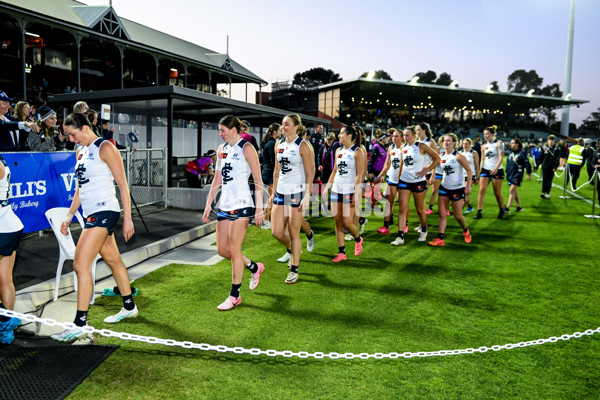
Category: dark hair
[91,114]
[77,121]
[426,128]
[231,122]
[492,129]
[519,143]
[354,133]
[270,132]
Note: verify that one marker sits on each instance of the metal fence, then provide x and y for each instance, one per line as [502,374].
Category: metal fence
[146,171]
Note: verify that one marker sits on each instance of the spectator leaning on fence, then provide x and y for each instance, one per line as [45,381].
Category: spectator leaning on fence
[49,138]
[9,128]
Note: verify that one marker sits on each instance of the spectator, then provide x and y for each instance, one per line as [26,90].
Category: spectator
[516,163]
[199,168]
[22,114]
[92,116]
[326,157]
[575,162]
[80,107]
[245,134]
[562,154]
[268,166]
[550,161]
[108,134]
[9,128]
[589,160]
[49,137]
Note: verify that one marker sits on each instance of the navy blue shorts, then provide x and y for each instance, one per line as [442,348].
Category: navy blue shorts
[455,195]
[9,242]
[341,197]
[387,179]
[485,173]
[415,187]
[233,215]
[516,182]
[103,219]
[293,200]
[267,179]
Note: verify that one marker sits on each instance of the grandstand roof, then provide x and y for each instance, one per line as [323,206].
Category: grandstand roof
[70,14]
[187,104]
[443,97]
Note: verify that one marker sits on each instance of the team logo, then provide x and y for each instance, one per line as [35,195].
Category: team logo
[226,173]
[339,156]
[279,151]
[285,165]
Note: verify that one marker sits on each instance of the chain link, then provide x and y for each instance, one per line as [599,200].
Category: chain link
[288,353]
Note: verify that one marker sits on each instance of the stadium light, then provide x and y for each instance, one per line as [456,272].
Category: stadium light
[567,96]
[453,84]
[371,74]
[530,92]
[488,88]
[414,80]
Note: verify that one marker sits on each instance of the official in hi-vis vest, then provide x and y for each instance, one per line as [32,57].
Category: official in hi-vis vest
[575,161]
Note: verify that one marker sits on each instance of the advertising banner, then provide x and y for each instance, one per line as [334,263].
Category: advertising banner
[39,182]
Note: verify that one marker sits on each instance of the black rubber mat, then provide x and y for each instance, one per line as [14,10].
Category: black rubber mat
[48,372]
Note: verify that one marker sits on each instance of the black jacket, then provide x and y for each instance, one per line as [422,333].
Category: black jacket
[268,156]
[550,157]
[516,163]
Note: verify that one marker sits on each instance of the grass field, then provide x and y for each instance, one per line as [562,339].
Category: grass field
[532,275]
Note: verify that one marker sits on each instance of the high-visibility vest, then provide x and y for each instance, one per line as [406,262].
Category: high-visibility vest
[575,155]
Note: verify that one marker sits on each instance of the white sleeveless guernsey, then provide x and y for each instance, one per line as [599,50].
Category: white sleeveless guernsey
[235,171]
[413,161]
[96,183]
[438,169]
[345,179]
[427,157]
[9,222]
[396,159]
[454,173]
[492,154]
[291,174]
[470,159]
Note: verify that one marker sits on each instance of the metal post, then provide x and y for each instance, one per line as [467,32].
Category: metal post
[23,65]
[595,192]
[169,138]
[78,63]
[564,125]
[567,173]
[165,182]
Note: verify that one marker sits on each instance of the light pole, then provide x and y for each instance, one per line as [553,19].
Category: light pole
[564,125]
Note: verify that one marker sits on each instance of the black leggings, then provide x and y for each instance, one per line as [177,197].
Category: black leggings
[547,176]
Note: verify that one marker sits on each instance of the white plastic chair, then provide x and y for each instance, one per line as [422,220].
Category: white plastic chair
[55,217]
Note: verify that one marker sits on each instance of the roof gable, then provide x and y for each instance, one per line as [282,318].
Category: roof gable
[102,19]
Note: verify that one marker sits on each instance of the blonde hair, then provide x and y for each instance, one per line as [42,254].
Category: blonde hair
[492,129]
[454,138]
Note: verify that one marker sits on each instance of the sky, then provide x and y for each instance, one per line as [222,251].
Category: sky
[475,41]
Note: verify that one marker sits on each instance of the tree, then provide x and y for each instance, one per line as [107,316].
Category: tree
[521,81]
[553,91]
[315,77]
[444,79]
[379,74]
[495,86]
[426,77]
[592,122]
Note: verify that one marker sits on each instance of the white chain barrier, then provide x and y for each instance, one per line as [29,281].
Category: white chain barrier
[569,183]
[288,353]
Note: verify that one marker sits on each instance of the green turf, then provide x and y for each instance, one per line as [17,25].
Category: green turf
[530,276]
